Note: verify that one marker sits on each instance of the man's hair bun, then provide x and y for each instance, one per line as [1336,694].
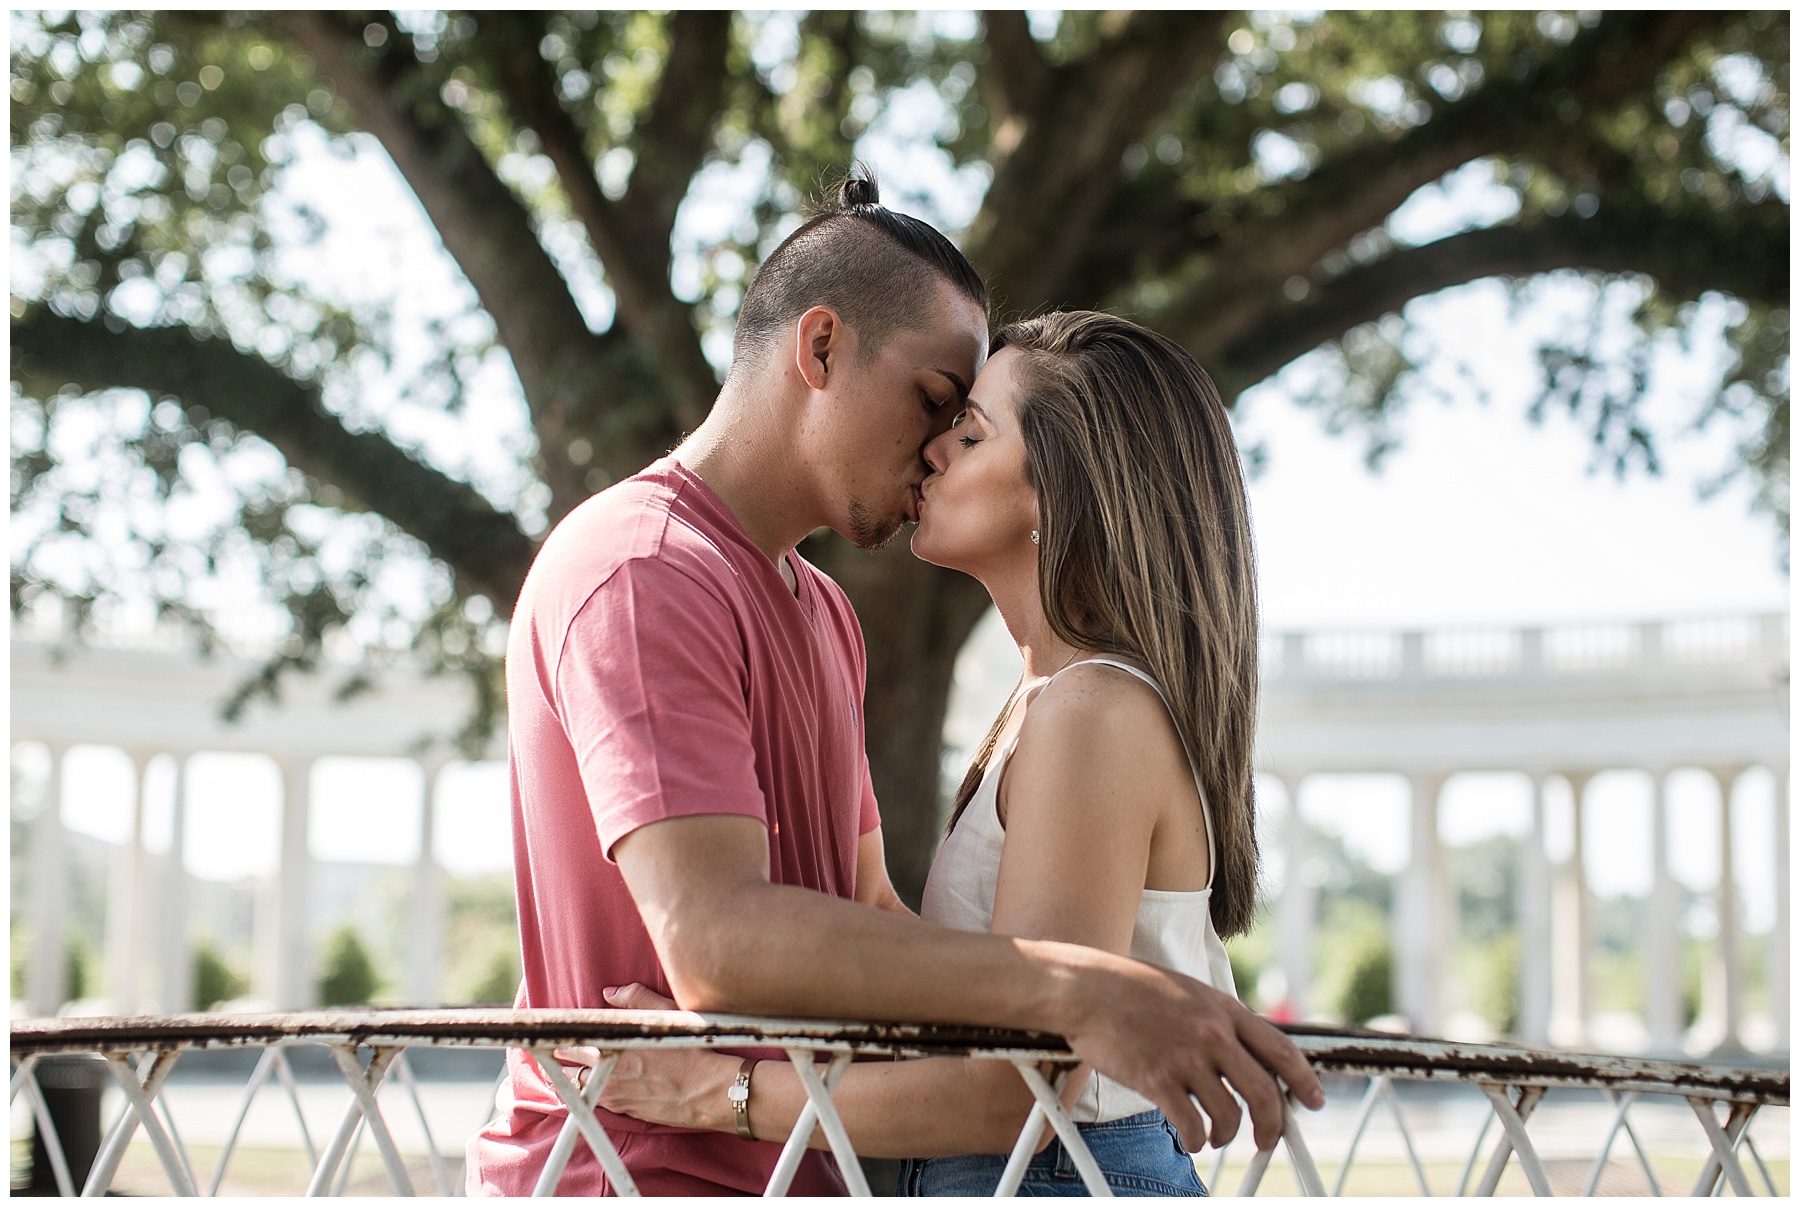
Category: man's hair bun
[858,190]
[879,269]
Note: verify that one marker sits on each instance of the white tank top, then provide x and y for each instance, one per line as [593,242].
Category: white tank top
[1173,929]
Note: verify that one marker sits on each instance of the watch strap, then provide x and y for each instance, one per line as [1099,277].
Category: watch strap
[739,1094]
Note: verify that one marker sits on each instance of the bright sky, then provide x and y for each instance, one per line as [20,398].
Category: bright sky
[1483,517]
[1479,517]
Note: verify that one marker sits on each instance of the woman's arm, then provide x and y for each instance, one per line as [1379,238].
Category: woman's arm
[1094,768]
[872,884]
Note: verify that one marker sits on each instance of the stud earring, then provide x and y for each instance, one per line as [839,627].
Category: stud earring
[1034,538]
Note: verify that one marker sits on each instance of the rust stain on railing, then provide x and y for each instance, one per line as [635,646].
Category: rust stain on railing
[1364,1052]
[521,1028]
[1344,1050]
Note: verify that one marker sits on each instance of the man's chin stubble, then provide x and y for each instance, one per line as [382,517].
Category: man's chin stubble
[867,532]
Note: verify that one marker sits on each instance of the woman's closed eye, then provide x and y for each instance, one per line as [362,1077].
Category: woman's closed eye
[964,439]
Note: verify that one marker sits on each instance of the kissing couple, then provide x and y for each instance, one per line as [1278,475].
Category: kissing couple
[694,822]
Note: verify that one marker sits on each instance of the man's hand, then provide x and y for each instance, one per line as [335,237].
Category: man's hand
[676,1087]
[1168,1036]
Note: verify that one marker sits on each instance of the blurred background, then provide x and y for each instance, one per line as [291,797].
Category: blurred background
[320,321]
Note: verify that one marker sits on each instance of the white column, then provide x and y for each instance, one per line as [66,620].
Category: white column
[1572,937]
[1730,952]
[425,943]
[292,979]
[1299,905]
[127,885]
[1534,925]
[47,973]
[1663,1012]
[1778,934]
[265,942]
[1423,922]
[176,982]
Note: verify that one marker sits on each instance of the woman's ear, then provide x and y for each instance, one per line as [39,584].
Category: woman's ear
[818,345]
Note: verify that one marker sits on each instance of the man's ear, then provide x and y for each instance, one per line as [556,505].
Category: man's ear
[820,336]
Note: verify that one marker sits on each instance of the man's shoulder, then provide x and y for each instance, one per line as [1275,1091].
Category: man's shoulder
[643,523]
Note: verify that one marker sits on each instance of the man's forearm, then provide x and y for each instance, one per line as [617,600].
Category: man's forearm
[772,949]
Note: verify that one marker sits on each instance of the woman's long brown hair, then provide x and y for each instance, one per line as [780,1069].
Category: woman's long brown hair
[1144,549]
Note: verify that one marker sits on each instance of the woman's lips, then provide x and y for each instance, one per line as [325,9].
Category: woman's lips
[918,503]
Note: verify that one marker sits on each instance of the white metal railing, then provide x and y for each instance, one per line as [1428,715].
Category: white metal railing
[1575,648]
[140,1052]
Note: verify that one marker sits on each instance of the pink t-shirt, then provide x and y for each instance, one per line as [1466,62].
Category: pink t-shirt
[658,666]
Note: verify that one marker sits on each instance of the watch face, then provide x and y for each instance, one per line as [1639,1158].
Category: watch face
[738,1093]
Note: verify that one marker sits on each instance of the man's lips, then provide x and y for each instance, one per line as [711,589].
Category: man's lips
[914,503]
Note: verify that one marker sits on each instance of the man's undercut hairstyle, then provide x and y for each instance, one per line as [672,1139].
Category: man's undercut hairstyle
[877,269]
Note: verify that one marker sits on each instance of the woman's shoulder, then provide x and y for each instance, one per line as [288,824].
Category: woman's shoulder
[1096,733]
[1091,686]
[1096,709]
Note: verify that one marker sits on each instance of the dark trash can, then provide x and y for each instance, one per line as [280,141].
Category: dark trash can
[72,1088]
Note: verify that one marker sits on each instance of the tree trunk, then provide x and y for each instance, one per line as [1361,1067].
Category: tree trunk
[915,618]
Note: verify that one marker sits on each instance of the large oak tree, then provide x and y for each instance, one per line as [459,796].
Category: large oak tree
[1228,180]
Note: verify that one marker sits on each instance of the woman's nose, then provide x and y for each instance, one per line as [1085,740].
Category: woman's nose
[937,452]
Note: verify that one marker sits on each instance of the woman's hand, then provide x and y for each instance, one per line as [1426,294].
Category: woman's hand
[677,1087]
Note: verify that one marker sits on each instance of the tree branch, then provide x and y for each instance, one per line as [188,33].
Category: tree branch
[631,236]
[483,546]
[1052,187]
[483,225]
[1743,252]
[672,142]
[1360,187]
[1016,74]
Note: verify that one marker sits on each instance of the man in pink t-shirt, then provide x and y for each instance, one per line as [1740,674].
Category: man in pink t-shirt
[661,667]
[692,809]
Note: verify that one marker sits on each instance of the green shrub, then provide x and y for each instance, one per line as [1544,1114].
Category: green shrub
[215,981]
[80,968]
[1244,974]
[1250,953]
[1369,989]
[349,974]
[1693,979]
[76,952]
[482,942]
[501,982]
[1496,983]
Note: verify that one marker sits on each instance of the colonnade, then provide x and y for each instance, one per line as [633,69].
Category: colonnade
[1555,918]
[152,703]
[1561,703]
[147,951]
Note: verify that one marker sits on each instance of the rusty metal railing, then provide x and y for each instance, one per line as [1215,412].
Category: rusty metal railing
[141,1052]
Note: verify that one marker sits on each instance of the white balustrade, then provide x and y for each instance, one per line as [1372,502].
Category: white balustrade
[141,1052]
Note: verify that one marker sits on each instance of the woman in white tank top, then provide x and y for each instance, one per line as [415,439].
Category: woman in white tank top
[1092,484]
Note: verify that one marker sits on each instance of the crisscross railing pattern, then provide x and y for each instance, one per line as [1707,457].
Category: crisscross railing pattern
[369,1048]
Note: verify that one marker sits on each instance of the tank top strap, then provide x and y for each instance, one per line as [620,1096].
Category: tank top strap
[1212,847]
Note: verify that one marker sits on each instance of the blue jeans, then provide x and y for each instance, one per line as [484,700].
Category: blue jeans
[1139,1155]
